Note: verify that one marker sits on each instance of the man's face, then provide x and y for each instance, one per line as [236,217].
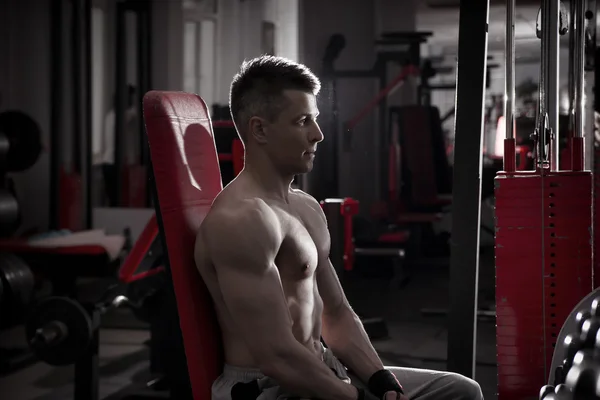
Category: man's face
[293,136]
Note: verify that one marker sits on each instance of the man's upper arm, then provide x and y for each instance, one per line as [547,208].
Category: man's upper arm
[330,288]
[243,244]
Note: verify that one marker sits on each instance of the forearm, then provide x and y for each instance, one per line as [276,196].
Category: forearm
[302,374]
[345,335]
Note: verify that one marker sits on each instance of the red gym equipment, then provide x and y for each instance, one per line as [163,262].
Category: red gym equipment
[543,233]
[187,178]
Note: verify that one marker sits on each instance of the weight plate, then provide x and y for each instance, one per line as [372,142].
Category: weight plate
[24,138]
[76,338]
[18,283]
[9,212]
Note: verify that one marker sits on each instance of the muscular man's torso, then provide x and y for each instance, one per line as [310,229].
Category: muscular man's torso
[305,241]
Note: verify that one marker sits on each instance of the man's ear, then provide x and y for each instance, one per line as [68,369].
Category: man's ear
[258,129]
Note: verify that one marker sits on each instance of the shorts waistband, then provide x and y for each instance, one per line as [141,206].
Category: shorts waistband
[240,374]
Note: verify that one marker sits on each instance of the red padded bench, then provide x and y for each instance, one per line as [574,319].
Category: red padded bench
[187,179]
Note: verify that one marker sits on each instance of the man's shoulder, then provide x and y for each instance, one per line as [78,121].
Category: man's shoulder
[306,198]
[246,228]
[311,202]
[237,214]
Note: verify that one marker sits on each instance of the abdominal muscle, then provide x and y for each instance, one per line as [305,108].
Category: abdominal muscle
[305,306]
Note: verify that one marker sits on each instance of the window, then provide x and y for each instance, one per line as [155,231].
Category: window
[98,83]
[201,6]
[199,58]
[207,60]
[190,57]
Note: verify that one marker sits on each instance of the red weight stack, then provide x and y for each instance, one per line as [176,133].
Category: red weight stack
[543,269]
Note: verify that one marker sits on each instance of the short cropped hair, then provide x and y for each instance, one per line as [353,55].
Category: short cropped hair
[257,89]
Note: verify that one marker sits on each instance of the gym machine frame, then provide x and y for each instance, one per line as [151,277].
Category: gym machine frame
[550,210]
[74,339]
[464,259]
[62,331]
[70,171]
[339,214]
[143,13]
[409,43]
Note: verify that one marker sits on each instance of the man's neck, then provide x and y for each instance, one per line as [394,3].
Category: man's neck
[268,179]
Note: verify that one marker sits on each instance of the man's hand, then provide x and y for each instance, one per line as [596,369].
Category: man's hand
[394,396]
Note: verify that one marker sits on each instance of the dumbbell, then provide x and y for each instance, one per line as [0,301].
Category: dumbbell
[583,376]
[560,392]
[589,330]
[581,317]
[584,373]
[571,345]
[59,329]
[575,341]
[595,308]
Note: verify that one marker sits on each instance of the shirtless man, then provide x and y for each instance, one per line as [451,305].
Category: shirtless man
[263,251]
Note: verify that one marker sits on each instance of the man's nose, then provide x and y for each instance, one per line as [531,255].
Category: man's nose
[316,135]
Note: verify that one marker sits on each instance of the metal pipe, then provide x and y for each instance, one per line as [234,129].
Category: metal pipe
[509,90]
[541,117]
[56,109]
[120,101]
[87,173]
[383,252]
[547,118]
[579,62]
[572,67]
[79,131]
[551,37]
[590,83]
[76,62]
[464,260]
[509,72]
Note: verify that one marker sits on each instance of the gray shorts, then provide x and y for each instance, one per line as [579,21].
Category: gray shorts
[221,388]
[421,384]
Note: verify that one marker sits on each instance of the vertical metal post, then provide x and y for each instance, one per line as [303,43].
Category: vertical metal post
[550,37]
[577,42]
[144,74]
[383,136]
[590,82]
[56,108]
[469,118]
[579,63]
[76,43]
[87,366]
[547,124]
[509,89]
[509,81]
[121,94]
[86,134]
[571,66]
[80,132]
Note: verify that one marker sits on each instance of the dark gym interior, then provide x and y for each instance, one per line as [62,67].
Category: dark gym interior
[464,242]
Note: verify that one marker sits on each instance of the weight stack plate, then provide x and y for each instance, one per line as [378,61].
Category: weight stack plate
[543,269]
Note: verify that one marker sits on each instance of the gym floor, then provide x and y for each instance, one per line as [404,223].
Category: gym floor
[415,340]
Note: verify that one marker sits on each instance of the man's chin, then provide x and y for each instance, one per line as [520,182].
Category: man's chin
[306,169]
